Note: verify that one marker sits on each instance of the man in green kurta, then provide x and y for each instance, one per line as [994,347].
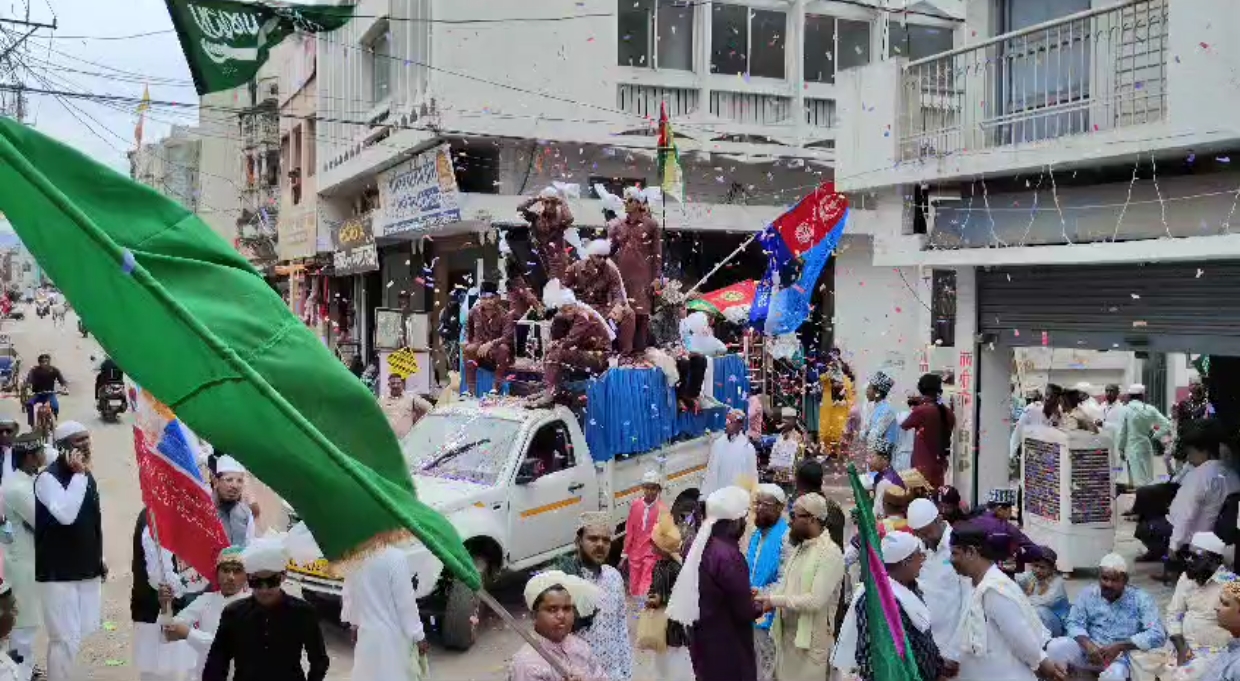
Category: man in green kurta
[1142,425]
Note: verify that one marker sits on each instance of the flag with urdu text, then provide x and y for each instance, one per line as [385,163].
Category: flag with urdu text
[671,176]
[226,41]
[193,323]
[891,656]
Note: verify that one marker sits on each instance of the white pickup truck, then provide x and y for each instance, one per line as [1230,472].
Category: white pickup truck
[513,482]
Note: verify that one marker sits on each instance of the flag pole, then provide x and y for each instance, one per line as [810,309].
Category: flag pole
[723,262]
[503,613]
[159,556]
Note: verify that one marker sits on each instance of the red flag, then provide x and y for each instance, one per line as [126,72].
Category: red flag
[180,508]
[731,296]
[811,220]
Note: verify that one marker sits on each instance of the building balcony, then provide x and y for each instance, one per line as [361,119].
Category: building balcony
[1088,89]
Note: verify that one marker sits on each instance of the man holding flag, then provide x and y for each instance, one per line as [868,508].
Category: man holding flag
[68,550]
[157,587]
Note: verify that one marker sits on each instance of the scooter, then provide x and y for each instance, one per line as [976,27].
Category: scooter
[42,309]
[112,401]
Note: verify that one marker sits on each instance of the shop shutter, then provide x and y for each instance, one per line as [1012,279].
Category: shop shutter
[1164,307]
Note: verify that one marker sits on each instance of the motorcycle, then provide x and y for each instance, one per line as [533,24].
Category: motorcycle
[42,309]
[82,329]
[111,401]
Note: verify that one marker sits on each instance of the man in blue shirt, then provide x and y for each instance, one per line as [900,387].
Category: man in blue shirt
[1109,620]
[765,557]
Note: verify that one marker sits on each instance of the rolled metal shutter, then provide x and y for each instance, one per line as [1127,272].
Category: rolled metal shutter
[1175,307]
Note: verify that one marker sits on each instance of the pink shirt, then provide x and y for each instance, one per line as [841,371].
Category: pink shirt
[572,652]
[637,531]
[755,416]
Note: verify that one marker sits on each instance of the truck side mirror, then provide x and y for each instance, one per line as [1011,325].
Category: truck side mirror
[528,471]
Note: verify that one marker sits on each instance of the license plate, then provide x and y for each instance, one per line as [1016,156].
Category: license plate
[117,403]
[319,568]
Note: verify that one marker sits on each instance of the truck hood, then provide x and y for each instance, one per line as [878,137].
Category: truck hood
[446,496]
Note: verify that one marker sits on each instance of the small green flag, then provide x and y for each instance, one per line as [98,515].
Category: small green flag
[192,322]
[226,41]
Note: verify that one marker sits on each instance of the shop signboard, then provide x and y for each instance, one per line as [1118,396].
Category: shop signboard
[354,244]
[419,194]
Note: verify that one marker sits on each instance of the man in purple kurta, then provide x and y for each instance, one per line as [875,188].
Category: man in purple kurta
[712,593]
[997,519]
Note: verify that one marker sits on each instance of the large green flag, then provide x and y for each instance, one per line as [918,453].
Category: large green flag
[226,41]
[195,324]
[891,656]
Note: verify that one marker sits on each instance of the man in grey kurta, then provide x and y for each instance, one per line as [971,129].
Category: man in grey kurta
[1142,424]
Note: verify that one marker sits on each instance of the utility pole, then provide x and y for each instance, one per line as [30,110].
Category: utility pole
[13,99]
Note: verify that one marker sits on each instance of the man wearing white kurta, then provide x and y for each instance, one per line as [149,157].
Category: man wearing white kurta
[940,583]
[379,602]
[68,547]
[18,492]
[733,460]
[199,620]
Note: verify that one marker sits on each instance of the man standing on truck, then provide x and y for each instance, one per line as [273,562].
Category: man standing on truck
[547,226]
[608,632]
[596,282]
[638,241]
[733,460]
[486,343]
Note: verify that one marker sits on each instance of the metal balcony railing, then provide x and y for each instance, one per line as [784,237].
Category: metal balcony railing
[1089,72]
[751,109]
[644,100]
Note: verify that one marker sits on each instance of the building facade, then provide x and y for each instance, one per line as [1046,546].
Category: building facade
[751,90]
[1061,181]
[171,166]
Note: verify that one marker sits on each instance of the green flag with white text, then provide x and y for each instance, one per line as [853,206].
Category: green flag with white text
[226,41]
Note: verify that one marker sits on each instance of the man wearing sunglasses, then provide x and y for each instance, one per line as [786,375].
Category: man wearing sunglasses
[199,621]
[262,637]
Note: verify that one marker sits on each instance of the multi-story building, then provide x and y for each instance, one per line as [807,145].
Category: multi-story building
[260,172]
[1060,178]
[571,92]
[171,166]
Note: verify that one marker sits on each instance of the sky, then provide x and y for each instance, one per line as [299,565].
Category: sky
[156,59]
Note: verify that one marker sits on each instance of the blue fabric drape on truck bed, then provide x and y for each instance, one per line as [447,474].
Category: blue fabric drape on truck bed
[731,382]
[629,411]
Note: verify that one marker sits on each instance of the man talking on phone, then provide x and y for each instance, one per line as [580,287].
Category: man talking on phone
[68,547]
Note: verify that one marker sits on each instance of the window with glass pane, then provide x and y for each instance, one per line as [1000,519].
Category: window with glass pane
[819,61]
[674,48]
[634,19]
[729,39]
[768,35]
[854,44]
[918,42]
[1046,69]
[381,66]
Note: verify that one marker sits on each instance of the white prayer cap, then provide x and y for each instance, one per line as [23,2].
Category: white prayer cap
[1136,389]
[921,513]
[557,295]
[1208,541]
[635,194]
[652,477]
[68,429]
[696,322]
[899,545]
[265,554]
[549,193]
[729,503]
[813,504]
[1084,387]
[226,464]
[788,412]
[772,490]
[599,247]
[1114,561]
[584,594]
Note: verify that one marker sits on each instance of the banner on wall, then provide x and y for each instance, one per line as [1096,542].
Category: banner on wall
[354,244]
[419,194]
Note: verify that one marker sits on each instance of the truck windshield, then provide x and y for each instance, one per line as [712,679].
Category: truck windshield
[467,447]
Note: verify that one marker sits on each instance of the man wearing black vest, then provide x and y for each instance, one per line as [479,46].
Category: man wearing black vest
[69,567]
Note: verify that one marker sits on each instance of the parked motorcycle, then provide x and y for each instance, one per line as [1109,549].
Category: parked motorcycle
[112,401]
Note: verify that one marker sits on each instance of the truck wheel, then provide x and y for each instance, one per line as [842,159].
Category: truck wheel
[463,611]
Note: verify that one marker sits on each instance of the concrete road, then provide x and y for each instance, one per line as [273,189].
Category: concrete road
[107,655]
